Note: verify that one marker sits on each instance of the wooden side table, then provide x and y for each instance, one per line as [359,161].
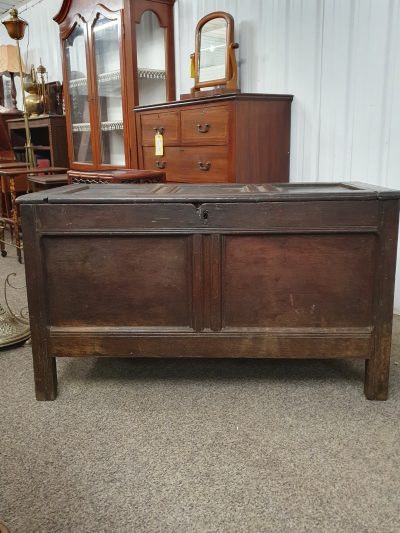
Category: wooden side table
[41,183]
[11,215]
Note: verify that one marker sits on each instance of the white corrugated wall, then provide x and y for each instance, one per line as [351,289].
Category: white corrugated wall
[341,61]
[339,58]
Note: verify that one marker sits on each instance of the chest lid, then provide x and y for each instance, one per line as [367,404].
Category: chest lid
[191,193]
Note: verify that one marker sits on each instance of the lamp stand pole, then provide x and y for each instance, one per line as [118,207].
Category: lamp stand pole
[30,156]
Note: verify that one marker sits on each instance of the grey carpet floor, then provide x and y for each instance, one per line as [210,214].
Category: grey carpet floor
[198,446]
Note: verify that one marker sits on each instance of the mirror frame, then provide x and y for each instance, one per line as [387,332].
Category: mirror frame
[230,79]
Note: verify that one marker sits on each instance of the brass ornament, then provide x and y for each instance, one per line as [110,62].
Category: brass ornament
[15,25]
[14,328]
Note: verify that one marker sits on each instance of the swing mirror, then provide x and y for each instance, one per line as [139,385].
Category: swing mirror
[214,59]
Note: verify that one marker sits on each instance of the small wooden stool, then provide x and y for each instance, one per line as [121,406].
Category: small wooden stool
[40,183]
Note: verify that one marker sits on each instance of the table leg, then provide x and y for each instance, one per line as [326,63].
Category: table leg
[377,368]
[45,374]
[14,217]
[3,215]
[376,382]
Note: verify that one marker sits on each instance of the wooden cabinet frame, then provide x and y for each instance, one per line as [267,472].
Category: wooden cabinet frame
[129,12]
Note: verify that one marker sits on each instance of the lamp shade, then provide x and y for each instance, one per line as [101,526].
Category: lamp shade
[9,59]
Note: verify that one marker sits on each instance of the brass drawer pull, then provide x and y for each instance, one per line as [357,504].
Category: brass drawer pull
[160,164]
[203,129]
[204,166]
[159,130]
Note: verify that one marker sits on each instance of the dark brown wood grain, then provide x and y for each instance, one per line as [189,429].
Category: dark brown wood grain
[377,368]
[272,270]
[44,363]
[252,132]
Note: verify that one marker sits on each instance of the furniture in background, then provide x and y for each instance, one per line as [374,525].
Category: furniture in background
[41,183]
[214,58]
[5,202]
[9,66]
[6,150]
[283,271]
[10,214]
[116,176]
[116,55]
[236,137]
[49,139]
[55,93]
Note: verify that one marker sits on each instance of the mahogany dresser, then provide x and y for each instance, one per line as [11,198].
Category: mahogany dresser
[233,138]
[228,270]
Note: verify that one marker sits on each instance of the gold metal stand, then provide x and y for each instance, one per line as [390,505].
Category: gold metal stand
[13,328]
[30,156]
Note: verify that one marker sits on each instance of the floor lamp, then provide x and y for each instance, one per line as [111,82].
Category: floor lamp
[15,329]
[15,27]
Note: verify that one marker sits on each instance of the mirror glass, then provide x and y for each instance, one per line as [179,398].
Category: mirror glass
[213,42]
[150,41]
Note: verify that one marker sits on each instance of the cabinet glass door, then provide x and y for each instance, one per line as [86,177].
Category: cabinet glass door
[77,87]
[106,43]
[150,42]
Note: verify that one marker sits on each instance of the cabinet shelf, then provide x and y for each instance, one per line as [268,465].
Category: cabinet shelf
[114,75]
[110,125]
[106,77]
[151,74]
[36,147]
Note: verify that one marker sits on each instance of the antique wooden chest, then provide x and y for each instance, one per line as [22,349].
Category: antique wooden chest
[229,270]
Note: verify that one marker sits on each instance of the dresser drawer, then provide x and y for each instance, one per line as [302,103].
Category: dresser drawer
[203,164]
[205,125]
[165,123]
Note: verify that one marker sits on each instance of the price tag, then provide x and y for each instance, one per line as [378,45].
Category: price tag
[159,144]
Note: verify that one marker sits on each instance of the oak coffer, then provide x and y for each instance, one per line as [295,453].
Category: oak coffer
[172,270]
[241,137]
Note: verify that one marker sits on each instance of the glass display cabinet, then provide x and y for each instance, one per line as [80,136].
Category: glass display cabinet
[116,54]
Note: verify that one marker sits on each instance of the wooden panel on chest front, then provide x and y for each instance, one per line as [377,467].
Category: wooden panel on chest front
[157,290]
[298,281]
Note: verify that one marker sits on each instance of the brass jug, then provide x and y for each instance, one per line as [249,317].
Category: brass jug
[34,101]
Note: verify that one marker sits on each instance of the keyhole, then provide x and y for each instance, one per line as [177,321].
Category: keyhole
[205,214]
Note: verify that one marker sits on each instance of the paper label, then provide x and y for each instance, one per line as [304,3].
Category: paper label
[159,144]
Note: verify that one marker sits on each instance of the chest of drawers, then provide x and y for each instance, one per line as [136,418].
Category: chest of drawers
[240,137]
